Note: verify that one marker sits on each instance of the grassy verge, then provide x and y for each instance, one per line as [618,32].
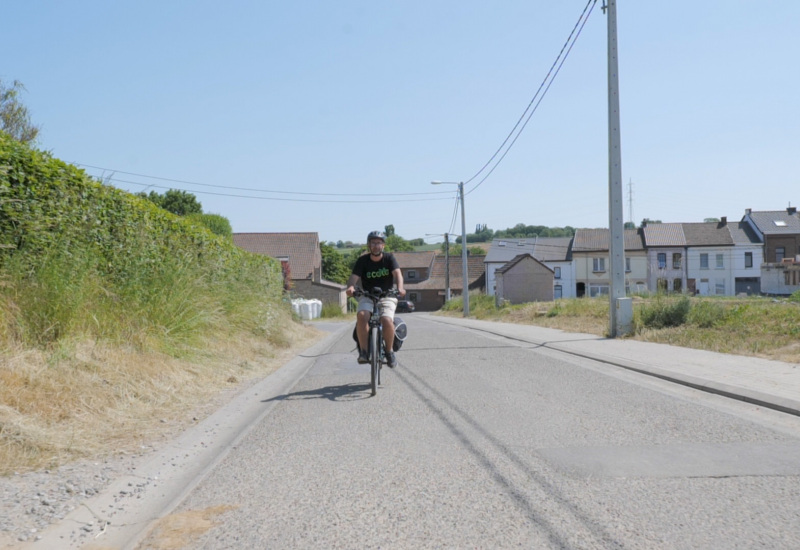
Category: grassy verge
[90,398]
[754,326]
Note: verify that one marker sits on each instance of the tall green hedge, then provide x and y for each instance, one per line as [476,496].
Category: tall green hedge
[47,204]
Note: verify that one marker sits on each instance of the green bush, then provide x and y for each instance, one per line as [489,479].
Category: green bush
[706,314]
[331,310]
[218,225]
[795,296]
[663,312]
[77,256]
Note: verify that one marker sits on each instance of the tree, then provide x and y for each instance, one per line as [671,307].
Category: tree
[178,202]
[217,224]
[335,266]
[389,230]
[396,243]
[455,250]
[14,117]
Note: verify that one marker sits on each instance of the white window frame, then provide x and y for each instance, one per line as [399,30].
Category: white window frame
[704,261]
[598,265]
[556,272]
[412,274]
[748,259]
[720,261]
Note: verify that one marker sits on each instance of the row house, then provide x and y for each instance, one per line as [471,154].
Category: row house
[780,233]
[553,252]
[427,276]
[591,262]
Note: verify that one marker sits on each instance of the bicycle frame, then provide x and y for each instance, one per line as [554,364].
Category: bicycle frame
[376,345]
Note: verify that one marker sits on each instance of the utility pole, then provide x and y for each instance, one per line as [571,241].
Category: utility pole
[630,203]
[446,267]
[620,306]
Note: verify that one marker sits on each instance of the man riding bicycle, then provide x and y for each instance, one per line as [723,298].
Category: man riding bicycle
[376,269]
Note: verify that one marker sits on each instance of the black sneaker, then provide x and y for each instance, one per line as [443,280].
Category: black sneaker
[391,360]
[363,356]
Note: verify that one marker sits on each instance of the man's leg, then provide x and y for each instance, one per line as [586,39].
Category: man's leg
[362,332]
[388,332]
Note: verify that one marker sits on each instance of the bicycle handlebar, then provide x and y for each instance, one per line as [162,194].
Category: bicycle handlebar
[391,293]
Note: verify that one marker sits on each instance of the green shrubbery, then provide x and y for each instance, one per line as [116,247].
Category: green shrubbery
[664,312]
[78,258]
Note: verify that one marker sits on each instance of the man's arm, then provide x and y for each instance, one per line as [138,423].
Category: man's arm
[351,284]
[398,281]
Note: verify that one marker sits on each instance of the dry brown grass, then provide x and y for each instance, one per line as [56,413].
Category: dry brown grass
[750,327]
[88,399]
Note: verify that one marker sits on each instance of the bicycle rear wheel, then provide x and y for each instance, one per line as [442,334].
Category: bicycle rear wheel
[375,356]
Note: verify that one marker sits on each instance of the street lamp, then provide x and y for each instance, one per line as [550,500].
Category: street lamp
[464,274]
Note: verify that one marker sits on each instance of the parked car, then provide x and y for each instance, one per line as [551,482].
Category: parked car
[405,306]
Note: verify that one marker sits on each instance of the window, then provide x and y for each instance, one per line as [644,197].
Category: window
[412,296]
[720,261]
[676,260]
[720,287]
[780,253]
[703,261]
[598,290]
[557,272]
[627,265]
[748,259]
[661,284]
[557,292]
[662,260]
[412,274]
[677,285]
[598,264]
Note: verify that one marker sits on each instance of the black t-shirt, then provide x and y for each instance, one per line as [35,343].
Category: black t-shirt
[376,273]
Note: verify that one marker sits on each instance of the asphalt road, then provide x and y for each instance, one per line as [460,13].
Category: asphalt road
[477,441]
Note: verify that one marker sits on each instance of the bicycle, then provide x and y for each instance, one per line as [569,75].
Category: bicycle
[377,347]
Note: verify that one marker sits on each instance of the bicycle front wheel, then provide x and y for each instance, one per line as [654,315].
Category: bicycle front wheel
[375,356]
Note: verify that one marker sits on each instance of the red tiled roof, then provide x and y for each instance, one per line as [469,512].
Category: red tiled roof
[302,249]
[414,260]
[437,279]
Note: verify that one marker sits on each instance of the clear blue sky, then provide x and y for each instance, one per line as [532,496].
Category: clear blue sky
[363,99]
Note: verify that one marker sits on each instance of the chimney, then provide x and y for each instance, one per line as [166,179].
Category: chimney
[748,211]
[792,210]
[723,221]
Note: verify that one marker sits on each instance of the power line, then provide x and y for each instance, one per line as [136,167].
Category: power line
[543,88]
[185,182]
[369,201]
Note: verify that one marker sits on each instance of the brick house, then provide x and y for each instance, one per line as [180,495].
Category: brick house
[429,294]
[300,255]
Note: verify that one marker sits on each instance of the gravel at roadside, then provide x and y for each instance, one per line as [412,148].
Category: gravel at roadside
[33,501]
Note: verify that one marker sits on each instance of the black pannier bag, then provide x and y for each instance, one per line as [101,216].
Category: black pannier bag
[400,333]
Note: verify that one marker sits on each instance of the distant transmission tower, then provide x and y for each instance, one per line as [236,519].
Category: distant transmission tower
[630,202]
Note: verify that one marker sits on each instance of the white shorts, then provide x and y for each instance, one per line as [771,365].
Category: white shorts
[386,306]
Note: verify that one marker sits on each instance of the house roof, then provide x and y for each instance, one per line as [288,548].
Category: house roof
[742,233]
[664,234]
[544,249]
[414,260]
[504,250]
[522,257]
[553,249]
[707,234]
[302,249]
[593,240]
[776,222]
[437,278]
